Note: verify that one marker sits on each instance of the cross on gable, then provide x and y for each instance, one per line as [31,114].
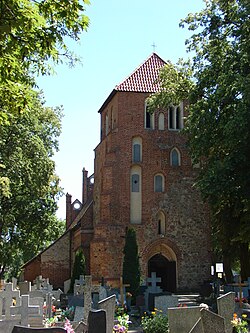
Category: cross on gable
[8,294]
[24,310]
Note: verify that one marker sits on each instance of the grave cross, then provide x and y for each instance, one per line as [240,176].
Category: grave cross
[122,290]
[153,280]
[240,285]
[88,288]
[8,294]
[78,285]
[25,309]
[38,282]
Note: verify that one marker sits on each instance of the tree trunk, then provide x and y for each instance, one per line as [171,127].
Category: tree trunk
[227,268]
[244,261]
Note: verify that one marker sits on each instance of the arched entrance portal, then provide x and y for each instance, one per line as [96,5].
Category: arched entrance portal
[164,269]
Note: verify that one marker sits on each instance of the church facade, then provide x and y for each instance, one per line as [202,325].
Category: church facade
[143,179]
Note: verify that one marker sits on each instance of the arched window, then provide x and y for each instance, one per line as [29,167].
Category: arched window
[135,182]
[175,117]
[161,125]
[175,159]
[107,124]
[161,224]
[149,118]
[137,152]
[159,183]
[135,195]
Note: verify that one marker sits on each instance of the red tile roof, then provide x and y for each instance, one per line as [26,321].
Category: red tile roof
[143,79]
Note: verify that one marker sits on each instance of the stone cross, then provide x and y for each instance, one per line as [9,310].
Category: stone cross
[48,305]
[8,294]
[154,280]
[38,282]
[25,309]
[78,285]
[121,290]
[88,289]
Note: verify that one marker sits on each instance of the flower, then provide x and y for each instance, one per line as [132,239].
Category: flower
[239,324]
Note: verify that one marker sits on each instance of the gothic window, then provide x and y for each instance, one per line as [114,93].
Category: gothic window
[107,124]
[159,183]
[161,121]
[175,117]
[161,224]
[137,152]
[171,117]
[149,118]
[175,157]
[135,183]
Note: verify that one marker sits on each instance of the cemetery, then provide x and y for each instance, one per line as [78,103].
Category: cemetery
[37,307]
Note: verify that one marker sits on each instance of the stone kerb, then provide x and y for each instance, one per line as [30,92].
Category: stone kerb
[108,304]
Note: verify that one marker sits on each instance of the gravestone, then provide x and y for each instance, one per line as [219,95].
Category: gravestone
[211,322]
[6,326]
[78,313]
[37,319]
[6,300]
[48,312]
[81,328]
[97,321]
[66,286]
[152,289]
[24,329]
[108,305]
[198,327]
[162,303]
[14,282]
[25,309]
[225,306]
[78,285]
[24,287]
[75,300]
[183,319]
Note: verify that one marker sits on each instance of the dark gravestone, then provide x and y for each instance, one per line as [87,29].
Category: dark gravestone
[75,300]
[25,329]
[97,321]
[64,301]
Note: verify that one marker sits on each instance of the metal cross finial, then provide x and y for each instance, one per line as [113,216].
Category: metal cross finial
[154,46]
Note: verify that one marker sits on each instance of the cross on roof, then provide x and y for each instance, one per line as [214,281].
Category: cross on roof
[154,46]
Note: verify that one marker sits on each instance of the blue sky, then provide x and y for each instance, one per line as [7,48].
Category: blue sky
[119,38]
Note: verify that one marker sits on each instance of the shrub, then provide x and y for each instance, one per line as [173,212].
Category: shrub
[155,323]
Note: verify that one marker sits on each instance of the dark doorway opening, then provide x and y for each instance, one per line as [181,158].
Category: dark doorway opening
[164,269]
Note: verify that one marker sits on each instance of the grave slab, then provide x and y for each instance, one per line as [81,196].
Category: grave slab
[108,305]
[97,321]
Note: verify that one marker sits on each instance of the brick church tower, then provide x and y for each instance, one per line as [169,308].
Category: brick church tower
[143,179]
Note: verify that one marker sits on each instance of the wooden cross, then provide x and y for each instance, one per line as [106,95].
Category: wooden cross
[240,285]
[121,290]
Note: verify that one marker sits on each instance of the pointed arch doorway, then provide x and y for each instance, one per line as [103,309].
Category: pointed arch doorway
[165,269]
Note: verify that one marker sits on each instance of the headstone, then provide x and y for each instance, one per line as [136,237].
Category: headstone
[108,305]
[24,287]
[64,300]
[66,286]
[75,300]
[152,289]
[226,305]
[14,282]
[81,328]
[35,293]
[198,327]
[183,319]
[6,297]
[97,321]
[88,288]
[162,303]
[6,326]
[78,313]
[212,323]
[24,329]
[78,285]
[48,311]
[25,309]
[36,320]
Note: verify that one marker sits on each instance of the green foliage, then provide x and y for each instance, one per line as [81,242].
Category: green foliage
[131,265]
[79,268]
[33,38]
[27,216]
[218,90]
[154,323]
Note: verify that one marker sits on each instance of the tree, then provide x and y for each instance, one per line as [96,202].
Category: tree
[131,267]
[219,120]
[33,35]
[27,215]
[79,268]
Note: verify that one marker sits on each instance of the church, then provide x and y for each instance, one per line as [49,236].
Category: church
[143,179]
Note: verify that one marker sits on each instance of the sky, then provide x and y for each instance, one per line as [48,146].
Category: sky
[120,37]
